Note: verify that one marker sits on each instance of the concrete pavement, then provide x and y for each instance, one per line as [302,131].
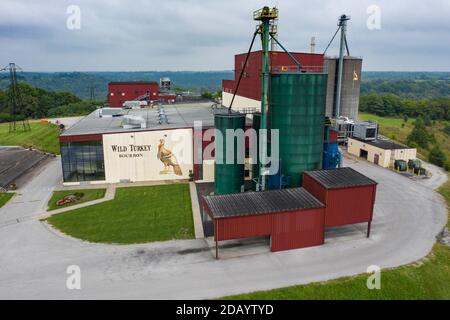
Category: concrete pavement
[34,257]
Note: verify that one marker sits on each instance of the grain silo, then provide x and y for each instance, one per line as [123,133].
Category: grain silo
[229,175]
[297,110]
[351,85]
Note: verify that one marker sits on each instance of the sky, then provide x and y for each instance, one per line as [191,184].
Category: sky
[203,35]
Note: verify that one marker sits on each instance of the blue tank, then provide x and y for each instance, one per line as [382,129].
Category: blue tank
[331,156]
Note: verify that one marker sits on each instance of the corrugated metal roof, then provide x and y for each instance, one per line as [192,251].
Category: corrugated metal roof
[254,203]
[340,178]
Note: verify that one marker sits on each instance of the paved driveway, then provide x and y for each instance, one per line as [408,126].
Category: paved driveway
[34,258]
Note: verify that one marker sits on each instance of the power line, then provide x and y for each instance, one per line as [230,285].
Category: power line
[15,100]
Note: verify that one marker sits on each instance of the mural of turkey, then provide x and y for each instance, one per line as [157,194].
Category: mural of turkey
[168,159]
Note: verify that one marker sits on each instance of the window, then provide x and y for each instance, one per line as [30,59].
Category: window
[83,161]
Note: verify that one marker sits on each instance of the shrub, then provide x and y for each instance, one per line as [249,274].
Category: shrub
[437,157]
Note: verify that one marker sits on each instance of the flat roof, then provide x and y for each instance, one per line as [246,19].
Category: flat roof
[132,82]
[384,144]
[256,203]
[180,116]
[340,178]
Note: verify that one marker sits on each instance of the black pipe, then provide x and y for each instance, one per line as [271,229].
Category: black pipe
[243,68]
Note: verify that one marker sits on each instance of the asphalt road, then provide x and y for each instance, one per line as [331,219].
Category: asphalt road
[34,257]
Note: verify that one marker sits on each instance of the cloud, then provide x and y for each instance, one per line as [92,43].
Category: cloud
[204,35]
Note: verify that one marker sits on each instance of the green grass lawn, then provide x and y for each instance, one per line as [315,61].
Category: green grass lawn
[428,279]
[89,195]
[43,136]
[136,215]
[5,197]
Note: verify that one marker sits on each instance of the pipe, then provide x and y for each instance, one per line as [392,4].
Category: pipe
[243,68]
[343,24]
[289,54]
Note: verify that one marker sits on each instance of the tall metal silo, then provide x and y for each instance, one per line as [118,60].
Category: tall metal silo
[256,125]
[351,86]
[229,178]
[297,110]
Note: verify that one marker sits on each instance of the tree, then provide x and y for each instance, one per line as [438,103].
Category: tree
[437,157]
[419,135]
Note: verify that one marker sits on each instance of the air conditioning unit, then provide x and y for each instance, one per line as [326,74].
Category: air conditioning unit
[134,122]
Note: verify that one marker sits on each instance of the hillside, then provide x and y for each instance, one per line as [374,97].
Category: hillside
[411,85]
[397,129]
[80,83]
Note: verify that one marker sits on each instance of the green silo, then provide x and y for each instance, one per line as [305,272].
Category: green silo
[297,109]
[229,178]
[256,125]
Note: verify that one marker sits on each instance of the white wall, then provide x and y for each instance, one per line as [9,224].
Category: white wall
[208,171]
[134,156]
[386,157]
[240,102]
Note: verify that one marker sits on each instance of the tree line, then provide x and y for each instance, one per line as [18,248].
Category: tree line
[39,103]
[391,105]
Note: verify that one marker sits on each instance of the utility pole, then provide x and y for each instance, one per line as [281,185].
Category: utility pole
[313,44]
[92,93]
[343,26]
[265,16]
[15,100]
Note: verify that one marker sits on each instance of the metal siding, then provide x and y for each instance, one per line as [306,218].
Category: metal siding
[131,91]
[349,206]
[296,230]
[243,227]
[81,138]
[297,110]
[228,178]
[250,86]
[344,206]
[315,188]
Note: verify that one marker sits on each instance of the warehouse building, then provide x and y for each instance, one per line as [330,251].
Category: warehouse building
[120,92]
[248,96]
[126,146]
[380,152]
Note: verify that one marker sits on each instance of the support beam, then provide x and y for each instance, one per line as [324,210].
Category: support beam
[216,236]
[285,50]
[369,226]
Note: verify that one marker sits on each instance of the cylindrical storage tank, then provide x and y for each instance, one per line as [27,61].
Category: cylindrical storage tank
[255,167]
[229,177]
[297,110]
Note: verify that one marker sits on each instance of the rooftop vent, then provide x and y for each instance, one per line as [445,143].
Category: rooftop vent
[134,122]
[109,112]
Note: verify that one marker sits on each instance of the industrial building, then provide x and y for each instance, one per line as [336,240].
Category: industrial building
[123,146]
[120,92]
[380,152]
[298,217]
[248,96]
[274,93]
[351,86]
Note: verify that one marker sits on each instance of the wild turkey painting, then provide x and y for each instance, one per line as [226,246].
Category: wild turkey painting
[168,159]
